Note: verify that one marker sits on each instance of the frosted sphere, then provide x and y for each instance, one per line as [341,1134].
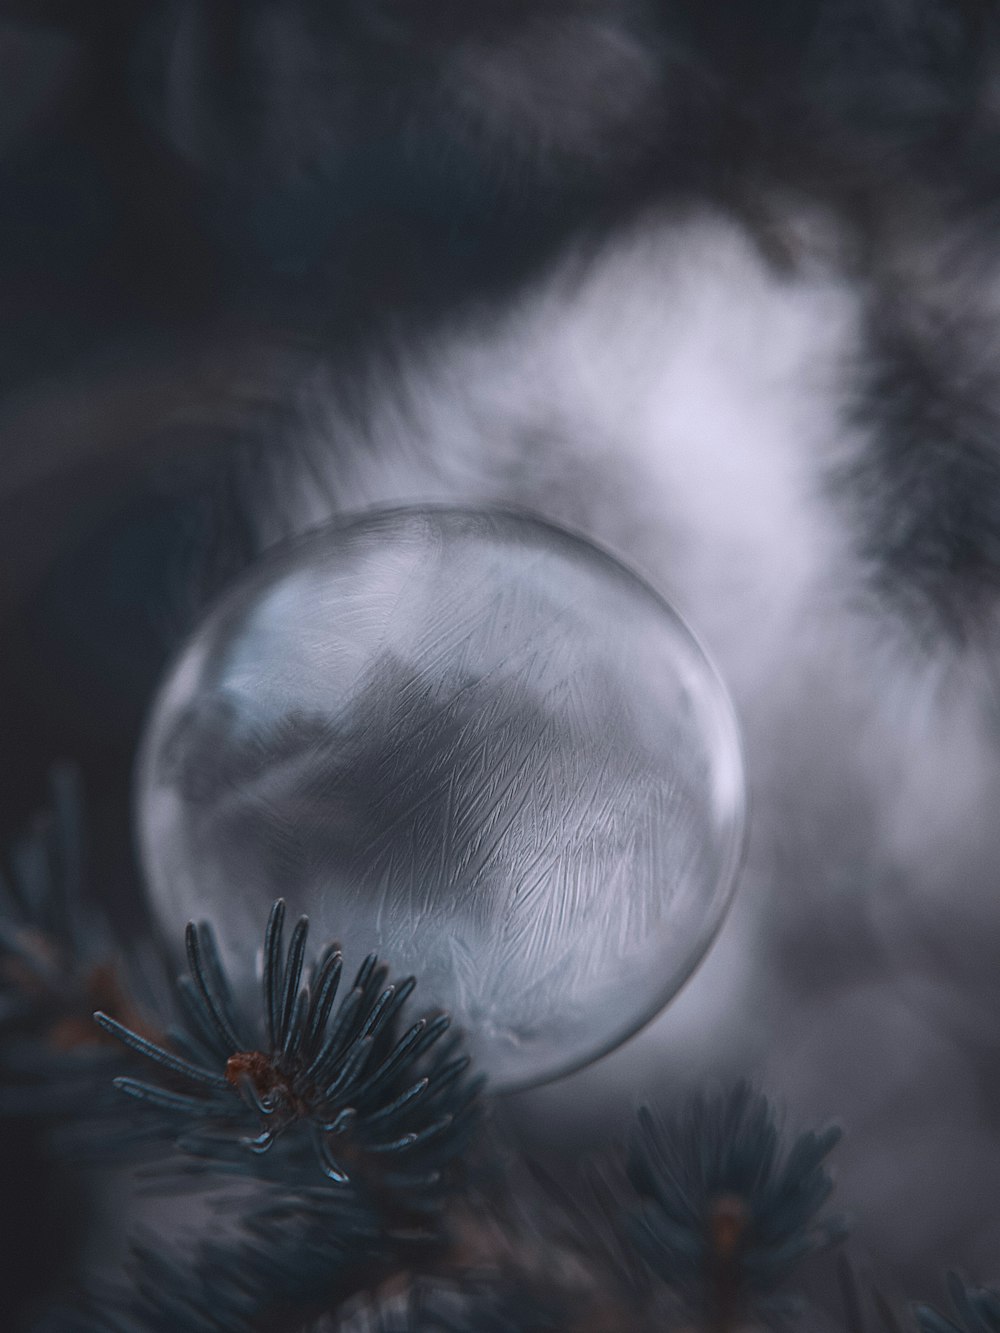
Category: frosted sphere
[472,743]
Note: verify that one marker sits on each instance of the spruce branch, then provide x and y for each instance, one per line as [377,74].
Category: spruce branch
[384,1106]
[58,958]
[727,1210]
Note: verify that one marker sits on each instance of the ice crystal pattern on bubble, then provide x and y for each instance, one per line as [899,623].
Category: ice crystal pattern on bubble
[467,741]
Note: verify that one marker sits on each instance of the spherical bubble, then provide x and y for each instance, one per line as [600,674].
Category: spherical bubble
[472,743]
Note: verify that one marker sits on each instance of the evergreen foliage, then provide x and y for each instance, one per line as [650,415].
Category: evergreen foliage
[58,958]
[353,1129]
[394,1108]
[727,1211]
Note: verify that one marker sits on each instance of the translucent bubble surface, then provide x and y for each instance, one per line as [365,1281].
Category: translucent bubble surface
[472,743]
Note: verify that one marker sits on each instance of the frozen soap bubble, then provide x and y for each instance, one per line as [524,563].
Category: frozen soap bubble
[472,743]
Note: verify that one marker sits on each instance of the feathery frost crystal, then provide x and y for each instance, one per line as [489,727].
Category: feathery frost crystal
[466,741]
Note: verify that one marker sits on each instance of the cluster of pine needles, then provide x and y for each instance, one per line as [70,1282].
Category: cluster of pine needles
[349,1168]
